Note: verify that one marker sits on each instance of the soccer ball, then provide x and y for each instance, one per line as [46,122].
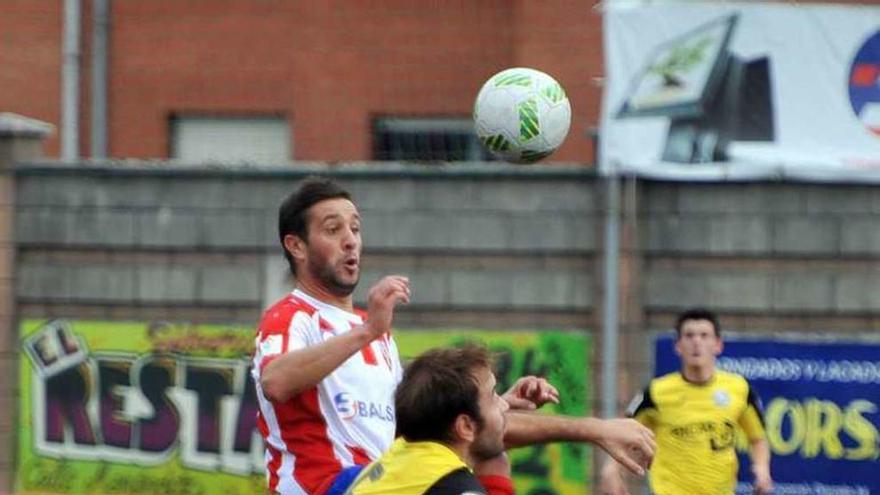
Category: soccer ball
[521,115]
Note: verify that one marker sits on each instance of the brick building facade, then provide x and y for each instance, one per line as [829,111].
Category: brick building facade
[328,68]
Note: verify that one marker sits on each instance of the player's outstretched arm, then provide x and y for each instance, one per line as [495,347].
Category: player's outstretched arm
[626,440]
[760,451]
[295,371]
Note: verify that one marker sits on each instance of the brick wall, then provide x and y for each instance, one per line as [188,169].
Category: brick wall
[329,67]
[30,54]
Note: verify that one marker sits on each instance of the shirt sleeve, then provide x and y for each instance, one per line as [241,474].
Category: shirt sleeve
[458,482]
[752,418]
[278,335]
[642,408]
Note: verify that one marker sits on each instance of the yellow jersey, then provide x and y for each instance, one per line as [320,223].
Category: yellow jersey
[695,429]
[416,468]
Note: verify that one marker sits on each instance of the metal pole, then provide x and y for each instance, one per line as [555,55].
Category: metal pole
[99,78]
[610,310]
[70,82]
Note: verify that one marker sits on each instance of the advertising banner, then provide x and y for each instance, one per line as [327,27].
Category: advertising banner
[122,407]
[821,410]
[735,91]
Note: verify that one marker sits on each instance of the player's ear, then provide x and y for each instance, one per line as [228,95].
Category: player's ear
[295,245]
[465,428]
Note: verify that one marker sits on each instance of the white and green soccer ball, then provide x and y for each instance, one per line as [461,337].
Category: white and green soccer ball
[522,115]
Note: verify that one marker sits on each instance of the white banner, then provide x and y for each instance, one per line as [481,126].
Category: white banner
[728,91]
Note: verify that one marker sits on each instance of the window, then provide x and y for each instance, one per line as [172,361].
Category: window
[429,139]
[230,139]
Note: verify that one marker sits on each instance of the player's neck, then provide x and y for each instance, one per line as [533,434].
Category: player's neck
[464,453]
[698,375]
[319,292]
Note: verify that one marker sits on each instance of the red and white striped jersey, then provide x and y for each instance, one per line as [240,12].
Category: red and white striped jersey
[347,419]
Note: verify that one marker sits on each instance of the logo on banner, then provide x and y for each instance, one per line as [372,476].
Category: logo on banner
[864,84]
[55,349]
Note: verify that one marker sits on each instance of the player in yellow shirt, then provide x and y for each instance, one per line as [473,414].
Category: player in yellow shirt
[694,413]
[451,425]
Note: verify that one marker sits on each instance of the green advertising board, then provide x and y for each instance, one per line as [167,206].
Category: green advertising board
[134,408]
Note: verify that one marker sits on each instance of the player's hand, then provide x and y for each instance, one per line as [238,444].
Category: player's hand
[763,482]
[610,482]
[530,392]
[629,442]
[382,299]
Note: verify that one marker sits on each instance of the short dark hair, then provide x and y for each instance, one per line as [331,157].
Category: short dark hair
[292,215]
[436,388]
[697,314]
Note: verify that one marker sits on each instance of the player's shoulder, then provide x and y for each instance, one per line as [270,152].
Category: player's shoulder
[277,317]
[733,380]
[647,398]
[665,382]
[458,482]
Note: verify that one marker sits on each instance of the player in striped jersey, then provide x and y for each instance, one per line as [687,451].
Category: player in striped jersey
[325,374]
[325,377]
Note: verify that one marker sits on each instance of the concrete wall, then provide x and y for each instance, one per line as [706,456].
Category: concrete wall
[138,242]
[802,255]
[21,139]
[769,257]
[485,246]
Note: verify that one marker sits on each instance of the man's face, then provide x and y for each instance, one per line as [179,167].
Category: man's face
[333,247]
[698,345]
[489,441]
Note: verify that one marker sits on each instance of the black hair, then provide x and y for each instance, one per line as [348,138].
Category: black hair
[697,314]
[293,213]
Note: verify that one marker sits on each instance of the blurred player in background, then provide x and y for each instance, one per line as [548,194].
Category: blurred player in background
[325,372]
[694,413]
[450,420]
